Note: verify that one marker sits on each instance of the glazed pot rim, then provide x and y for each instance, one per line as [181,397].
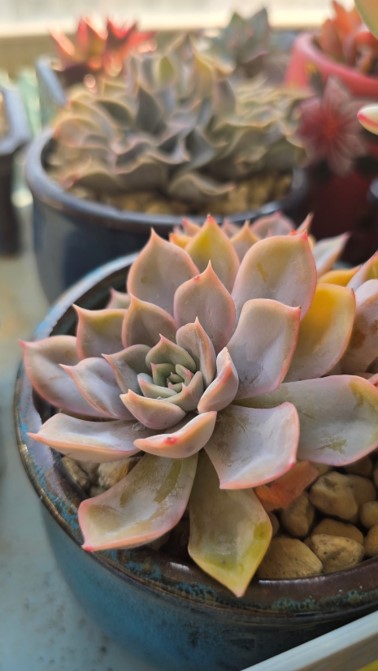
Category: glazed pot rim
[314,598]
[44,188]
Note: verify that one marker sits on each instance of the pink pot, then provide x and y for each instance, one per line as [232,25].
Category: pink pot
[307,59]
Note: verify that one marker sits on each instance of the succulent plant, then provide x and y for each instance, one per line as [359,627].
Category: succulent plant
[368,11]
[233,360]
[95,50]
[243,42]
[177,125]
[329,128]
[346,39]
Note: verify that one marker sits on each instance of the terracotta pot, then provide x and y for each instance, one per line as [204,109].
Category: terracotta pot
[16,136]
[72,235]
[162,608]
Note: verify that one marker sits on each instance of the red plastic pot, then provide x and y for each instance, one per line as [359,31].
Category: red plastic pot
[307,59]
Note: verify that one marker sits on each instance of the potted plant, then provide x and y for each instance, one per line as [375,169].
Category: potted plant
[342,50]
[176,134]
[209,432]
[14,134]
[94,50]
[343,47]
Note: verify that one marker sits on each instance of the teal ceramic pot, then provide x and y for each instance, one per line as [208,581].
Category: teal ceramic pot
[157,603]
[72,235]
[16,135]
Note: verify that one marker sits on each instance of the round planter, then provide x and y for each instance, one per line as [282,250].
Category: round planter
[163,609]
[307,59]
[72,235]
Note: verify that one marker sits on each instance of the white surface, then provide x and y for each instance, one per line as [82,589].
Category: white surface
[346,649]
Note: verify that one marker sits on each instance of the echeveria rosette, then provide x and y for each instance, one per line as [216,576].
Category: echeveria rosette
[223,371]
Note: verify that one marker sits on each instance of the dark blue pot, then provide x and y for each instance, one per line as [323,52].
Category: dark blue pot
[73,236]
[16,136]
[164,610]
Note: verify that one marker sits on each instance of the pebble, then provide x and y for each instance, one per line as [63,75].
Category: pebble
[298,518]
[369,514]
[111,472]
[288,558]
[337,528]
[371,541]
[336,553]
[333,495]
[363,488]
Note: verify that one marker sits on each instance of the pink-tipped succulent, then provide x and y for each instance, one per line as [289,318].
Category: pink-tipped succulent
[231,361]
[95,50]
[346,39]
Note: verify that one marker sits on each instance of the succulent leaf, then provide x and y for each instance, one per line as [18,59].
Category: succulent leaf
[237,447]
[98,331]
[324,333]
[263,345]
[368,11]
[95,380]
[327,251]
[222,390]
[267,272]
[272,224]
[193,338]
[157,414]
[158,271]
[127,364]
[281,493]
[42,360]
[118,300]
[188,395]
[183,442]
[166,350]
[243,239]
[368,271]
[362,348]
[341,276]
[129,513]
[337,414]
[211,244]
[88,440]
[145,322]
[204,297]
[230,545]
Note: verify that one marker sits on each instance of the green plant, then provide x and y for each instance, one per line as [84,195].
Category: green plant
[97,49]
[178,125]
[231,362]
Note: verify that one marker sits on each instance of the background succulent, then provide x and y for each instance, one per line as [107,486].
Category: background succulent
[179,125]
[345,38]
[216,378]
[97,49]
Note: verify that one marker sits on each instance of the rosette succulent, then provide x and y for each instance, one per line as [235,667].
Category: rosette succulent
[236,358]
[177,125]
